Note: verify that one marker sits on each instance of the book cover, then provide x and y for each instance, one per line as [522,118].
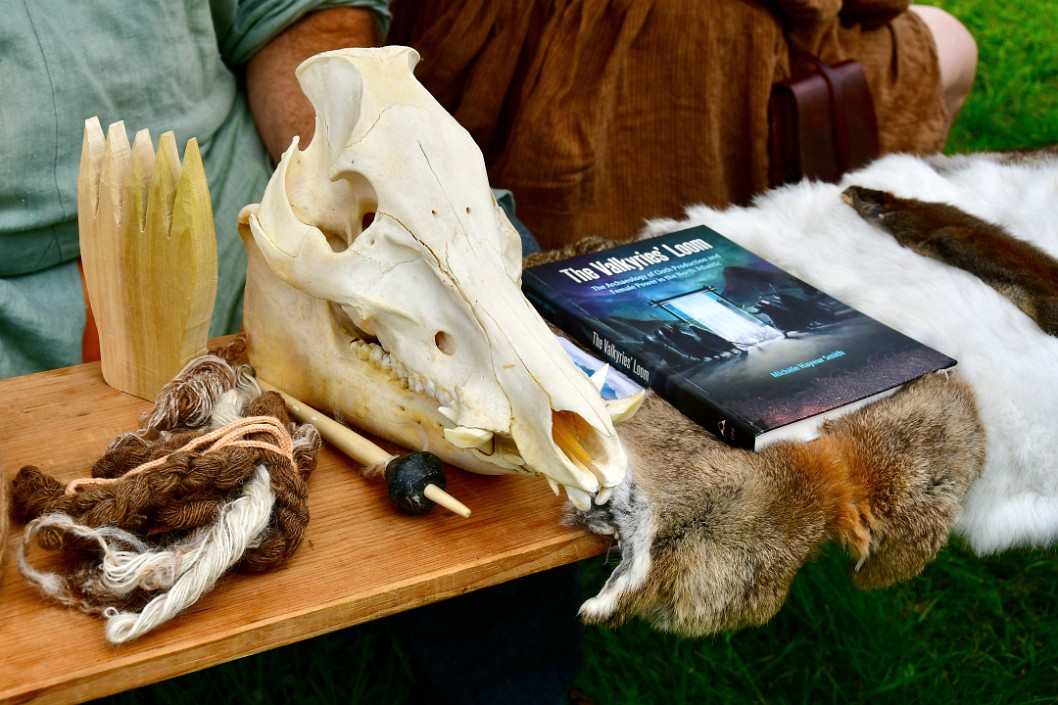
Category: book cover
[745,349]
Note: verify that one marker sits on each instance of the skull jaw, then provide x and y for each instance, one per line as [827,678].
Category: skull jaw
[294,343]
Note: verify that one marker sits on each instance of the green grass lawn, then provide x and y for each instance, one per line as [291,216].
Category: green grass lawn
[969,630]
[1014,101]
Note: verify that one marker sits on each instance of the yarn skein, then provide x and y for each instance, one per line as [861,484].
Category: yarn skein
[214,478]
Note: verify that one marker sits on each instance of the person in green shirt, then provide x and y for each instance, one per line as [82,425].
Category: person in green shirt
[220,71]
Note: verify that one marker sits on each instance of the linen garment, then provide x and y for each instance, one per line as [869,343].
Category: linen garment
[161,65]
[599,114]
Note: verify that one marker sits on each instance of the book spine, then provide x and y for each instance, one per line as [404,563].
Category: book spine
[676,389]
[695,404]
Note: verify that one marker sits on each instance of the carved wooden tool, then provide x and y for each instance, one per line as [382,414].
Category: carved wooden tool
[371,455]
[149,253]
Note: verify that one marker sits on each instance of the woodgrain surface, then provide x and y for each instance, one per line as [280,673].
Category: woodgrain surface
[361,559]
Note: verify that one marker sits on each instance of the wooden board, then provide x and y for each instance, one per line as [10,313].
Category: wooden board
[361,559]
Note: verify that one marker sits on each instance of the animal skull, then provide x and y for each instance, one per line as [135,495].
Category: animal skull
[383,283]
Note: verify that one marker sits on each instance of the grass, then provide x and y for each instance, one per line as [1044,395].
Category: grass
[968,630]
[1014,101]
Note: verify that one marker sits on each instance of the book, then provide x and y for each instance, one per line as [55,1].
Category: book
[742,347]
[617,385]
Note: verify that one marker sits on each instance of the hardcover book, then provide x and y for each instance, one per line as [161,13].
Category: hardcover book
[747,350]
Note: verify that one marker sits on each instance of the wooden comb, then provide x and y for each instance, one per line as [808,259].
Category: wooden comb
[149,253]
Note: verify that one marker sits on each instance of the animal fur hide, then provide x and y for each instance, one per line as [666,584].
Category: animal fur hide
[1009,362]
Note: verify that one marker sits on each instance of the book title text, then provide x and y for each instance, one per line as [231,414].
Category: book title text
[638,261]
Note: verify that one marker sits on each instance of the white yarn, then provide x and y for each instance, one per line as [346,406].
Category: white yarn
[120,551]
[124,571]
[239,527]
[230,405]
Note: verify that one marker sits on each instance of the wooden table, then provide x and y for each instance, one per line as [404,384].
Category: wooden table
[360,560]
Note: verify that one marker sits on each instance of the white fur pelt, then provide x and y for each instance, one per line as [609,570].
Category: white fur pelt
[1011,364]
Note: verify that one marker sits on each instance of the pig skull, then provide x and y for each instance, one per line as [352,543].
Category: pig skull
[383,284]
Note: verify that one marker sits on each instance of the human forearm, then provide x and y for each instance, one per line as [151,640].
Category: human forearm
[279,107]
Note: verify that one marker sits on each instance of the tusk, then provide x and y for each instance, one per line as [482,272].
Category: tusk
[554,486]
[598,377]
[624,409]
[465,437]
[581,499]
[449,413]
[604,495]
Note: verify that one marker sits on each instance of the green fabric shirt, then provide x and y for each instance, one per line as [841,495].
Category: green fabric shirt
[156,64]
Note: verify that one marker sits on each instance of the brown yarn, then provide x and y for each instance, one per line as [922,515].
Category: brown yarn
[233,435]
[162,482]
[233,352]
[290,513]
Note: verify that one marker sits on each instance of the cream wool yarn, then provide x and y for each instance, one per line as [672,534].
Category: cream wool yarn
[186,570]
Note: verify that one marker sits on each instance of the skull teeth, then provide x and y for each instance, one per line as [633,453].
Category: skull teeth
[378,358]
[598,377]
[553,485]
[513,458]
[581,499]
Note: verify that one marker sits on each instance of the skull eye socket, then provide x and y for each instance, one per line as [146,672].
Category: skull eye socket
[444,343]
[337,240]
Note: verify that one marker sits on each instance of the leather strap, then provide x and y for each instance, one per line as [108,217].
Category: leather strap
[838,123]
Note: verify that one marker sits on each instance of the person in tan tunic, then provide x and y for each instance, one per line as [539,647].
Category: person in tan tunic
[599,114]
